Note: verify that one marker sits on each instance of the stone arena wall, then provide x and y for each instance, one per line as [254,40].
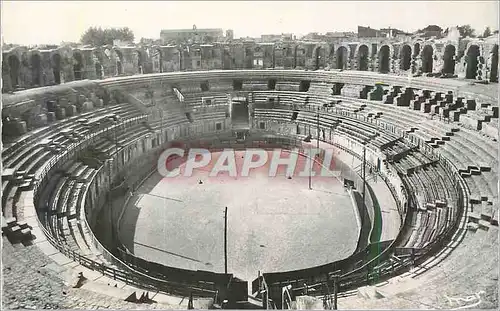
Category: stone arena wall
[24,68]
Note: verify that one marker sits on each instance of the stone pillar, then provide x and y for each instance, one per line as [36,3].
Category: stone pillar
[63,102]
[20,127]
[41,120]
[71,110]
[51,116]
[482,72]
[73,98]
[87,106]
[60,113]
[374,63]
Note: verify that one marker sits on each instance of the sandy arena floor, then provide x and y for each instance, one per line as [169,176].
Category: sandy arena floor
[274,223]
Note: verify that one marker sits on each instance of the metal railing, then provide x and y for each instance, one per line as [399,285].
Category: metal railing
[380,268]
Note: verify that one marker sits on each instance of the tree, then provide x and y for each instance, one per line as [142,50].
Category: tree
[433,28]
[96,36]
[466,31]
[487,32]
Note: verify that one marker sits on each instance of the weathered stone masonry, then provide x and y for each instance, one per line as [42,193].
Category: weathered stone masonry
[472,59]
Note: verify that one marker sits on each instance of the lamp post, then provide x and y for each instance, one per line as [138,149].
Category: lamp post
[364,181]
[225,240]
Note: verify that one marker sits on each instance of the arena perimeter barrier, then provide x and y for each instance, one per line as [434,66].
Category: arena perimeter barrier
[368,273]
[128,275]
[396,267]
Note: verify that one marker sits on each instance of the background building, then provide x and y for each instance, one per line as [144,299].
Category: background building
[194,35]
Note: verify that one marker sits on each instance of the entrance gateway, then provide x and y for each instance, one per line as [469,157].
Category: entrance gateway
[239,113]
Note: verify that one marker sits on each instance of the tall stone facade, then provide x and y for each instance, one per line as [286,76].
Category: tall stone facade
[24,68]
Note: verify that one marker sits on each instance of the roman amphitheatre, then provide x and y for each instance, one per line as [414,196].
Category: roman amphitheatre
[411,221]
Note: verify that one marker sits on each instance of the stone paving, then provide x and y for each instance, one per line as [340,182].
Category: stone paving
[31,281]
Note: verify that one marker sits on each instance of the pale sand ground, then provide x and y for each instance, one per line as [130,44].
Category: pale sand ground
[274,223]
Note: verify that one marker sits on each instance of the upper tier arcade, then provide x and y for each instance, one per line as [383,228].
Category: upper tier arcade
[474,59]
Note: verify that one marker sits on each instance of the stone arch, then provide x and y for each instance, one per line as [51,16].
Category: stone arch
[384,59]
[319,58]
[36,69]
[226,59]
[405,57]
[273,57]
[449,59]
[119,62]
[494,64]
[56,67]
[299,56]
[427,58]
[363,55]
[249,52]
[14,70]
[342,57]
[77,65]
[472,61]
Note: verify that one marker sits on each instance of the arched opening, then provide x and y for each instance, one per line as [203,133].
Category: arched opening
[384,59]
[249,57]
[77,67]
[119,59]
[157,58]
[227,60]
[448,58]
[138,59]
[36,66]
[14,65]
[405,57]
[494,64]
[317,58]
[363,54]
[299,56]
[472,62]
[179,54]
[427,60]
[341,57]
[56,60]
[295,56]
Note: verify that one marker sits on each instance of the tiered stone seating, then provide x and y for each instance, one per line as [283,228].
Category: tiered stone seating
[64,197]
[130,134]
[194,100]
[475,119]
[287,86]
[413,161]
[352,91]
[385,123]
[435,194]
[254,85]
[398,150]
[24,161]
[211,113]
[319,88]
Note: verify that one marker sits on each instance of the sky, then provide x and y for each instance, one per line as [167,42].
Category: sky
[53,22]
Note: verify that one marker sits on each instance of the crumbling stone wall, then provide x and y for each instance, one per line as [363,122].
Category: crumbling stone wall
[109,61]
